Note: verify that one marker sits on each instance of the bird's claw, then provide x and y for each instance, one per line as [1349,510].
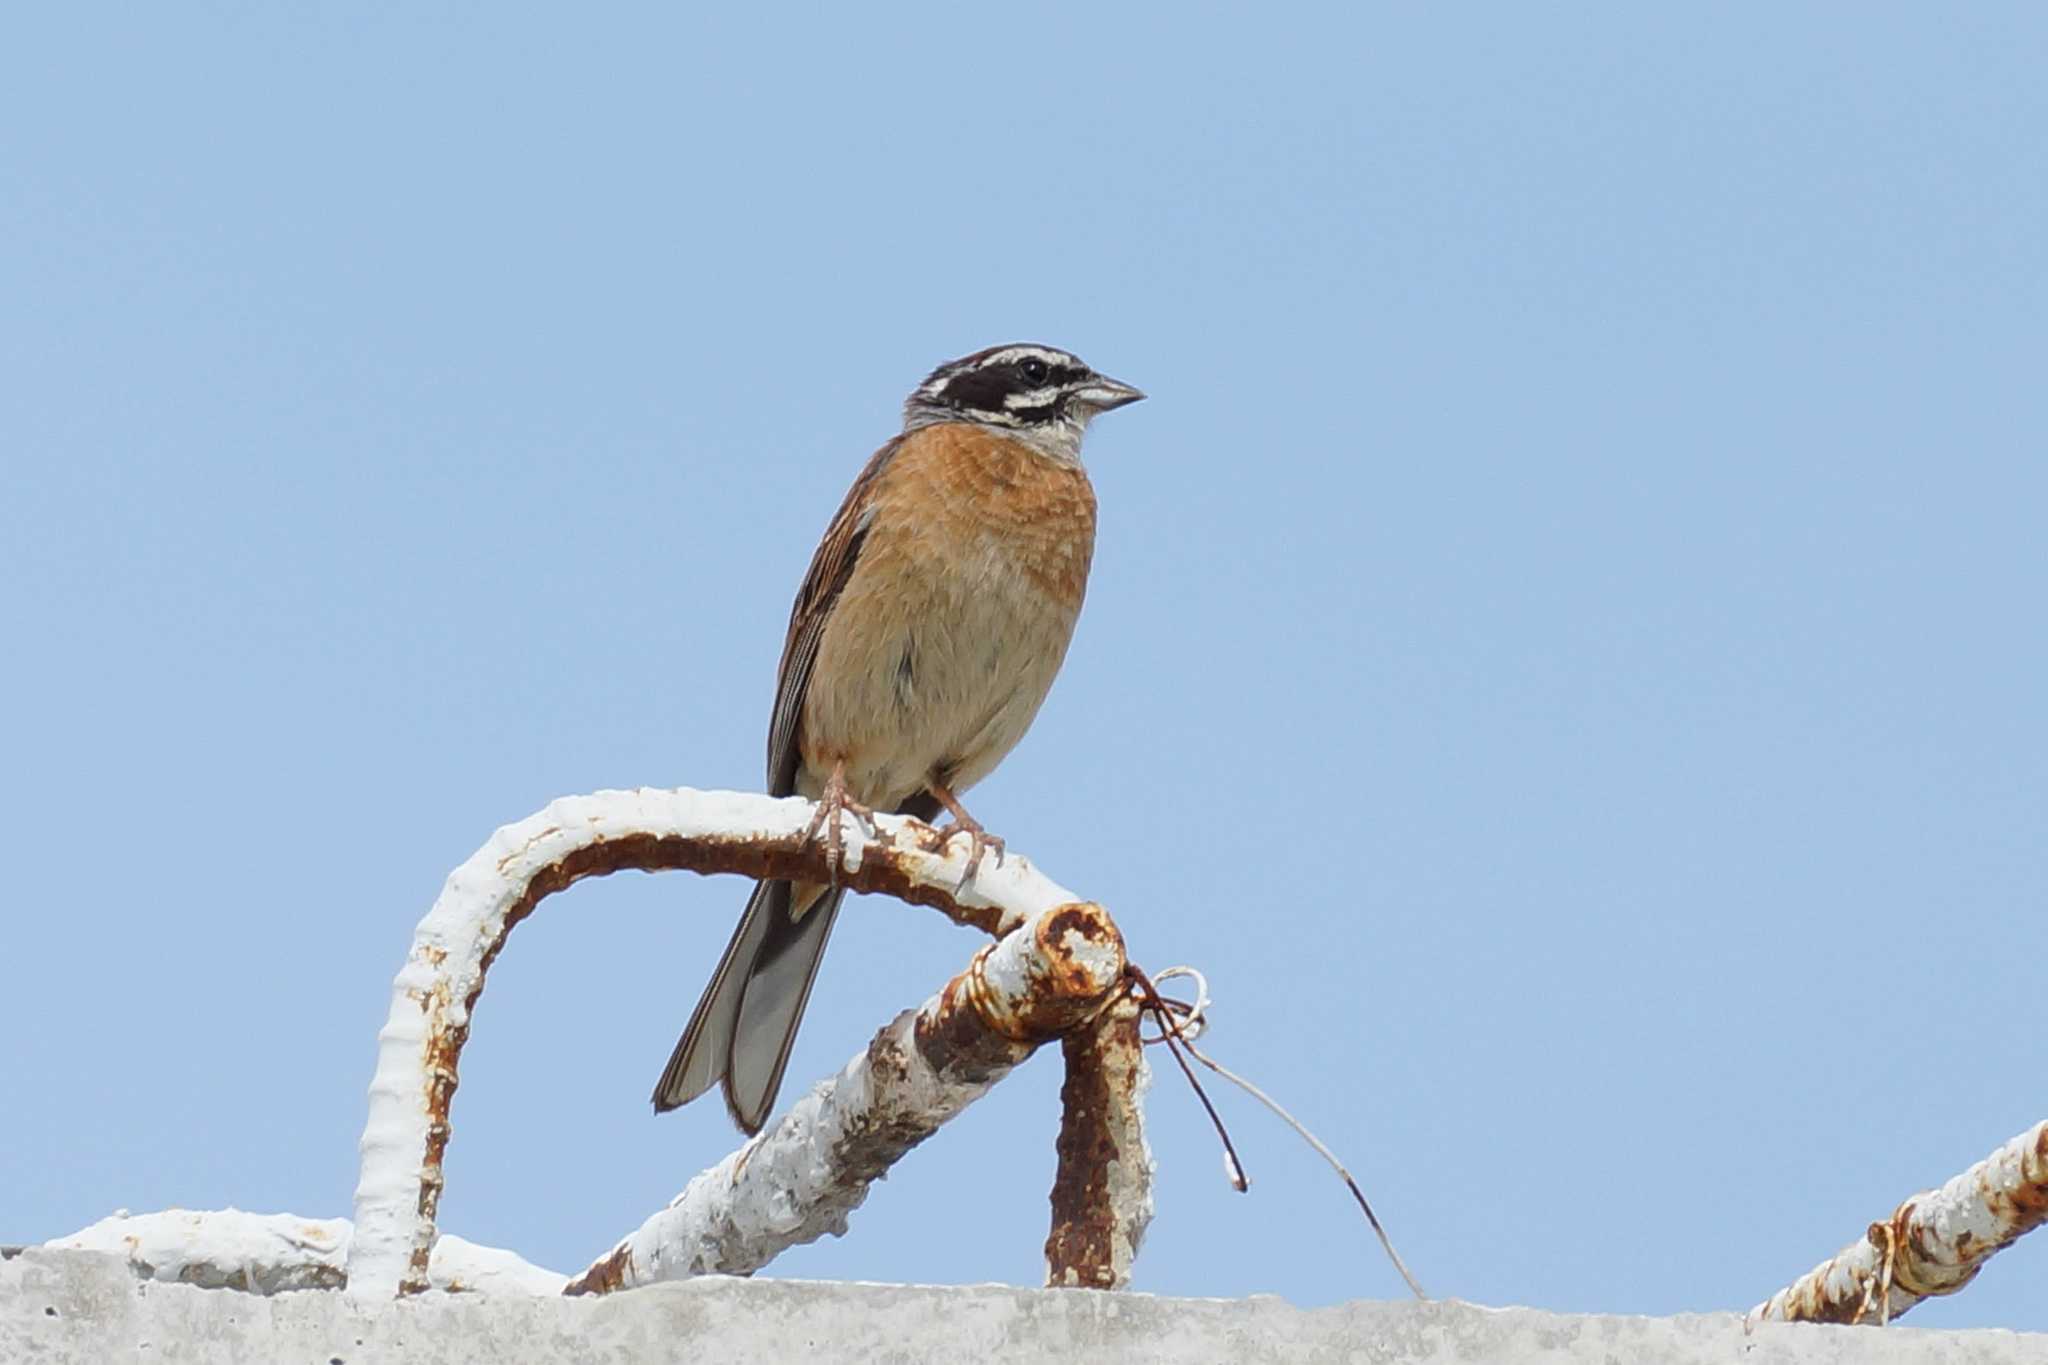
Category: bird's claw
[825,819]
[934,840]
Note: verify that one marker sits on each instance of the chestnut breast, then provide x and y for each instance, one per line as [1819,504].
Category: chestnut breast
[956,617]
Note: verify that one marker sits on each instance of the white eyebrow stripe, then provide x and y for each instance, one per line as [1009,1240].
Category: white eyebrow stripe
[1011,354]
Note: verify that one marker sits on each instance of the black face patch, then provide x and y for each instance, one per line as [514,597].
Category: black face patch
[985,386]
[994,386]
[983,390]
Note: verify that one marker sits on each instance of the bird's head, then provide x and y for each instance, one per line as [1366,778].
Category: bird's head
[1038,394]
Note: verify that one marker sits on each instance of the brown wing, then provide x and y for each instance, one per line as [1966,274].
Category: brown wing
[773,948]
[830,568]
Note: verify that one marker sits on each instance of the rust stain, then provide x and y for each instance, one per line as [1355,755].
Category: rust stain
[875,1138]
[966,1038]
[1078,917]
[1067,992]
[1102,1069]
[883,869]
[1090,923]
[1910,1258]
[606,1276]
[520,852]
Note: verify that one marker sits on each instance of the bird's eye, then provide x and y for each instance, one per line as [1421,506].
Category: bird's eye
[1033,369]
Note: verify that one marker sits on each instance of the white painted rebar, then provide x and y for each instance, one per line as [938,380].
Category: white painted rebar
[406,1134]
[802,1177]
[1934,1243]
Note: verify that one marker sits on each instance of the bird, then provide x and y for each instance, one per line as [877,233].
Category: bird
[936,612]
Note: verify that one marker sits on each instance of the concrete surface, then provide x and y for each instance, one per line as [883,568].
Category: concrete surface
[84,1308]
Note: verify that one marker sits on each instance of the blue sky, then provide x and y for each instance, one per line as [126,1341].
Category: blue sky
[1565,651]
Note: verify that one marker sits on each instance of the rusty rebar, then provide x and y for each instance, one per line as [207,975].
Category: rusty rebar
[802,1178]
[1102,1190]
[405,1139]
[1932,1244]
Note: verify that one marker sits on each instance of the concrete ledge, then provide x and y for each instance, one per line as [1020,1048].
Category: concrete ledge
[82,1308]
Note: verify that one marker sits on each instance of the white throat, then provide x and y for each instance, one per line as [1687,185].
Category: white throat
[1059,440]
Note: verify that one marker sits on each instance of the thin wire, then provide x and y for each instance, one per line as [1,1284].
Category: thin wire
[1194,1016]
[1171,1029]
[1233,1169]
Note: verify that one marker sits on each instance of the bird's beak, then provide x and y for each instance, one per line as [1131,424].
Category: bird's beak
[1102,393]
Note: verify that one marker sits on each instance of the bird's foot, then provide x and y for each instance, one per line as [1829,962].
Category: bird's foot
[983,842]
[834,800]
[935,840]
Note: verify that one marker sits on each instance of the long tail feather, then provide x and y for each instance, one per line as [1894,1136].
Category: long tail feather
[746,1021]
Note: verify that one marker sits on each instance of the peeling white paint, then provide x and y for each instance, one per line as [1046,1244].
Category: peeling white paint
[445,969]
[803,1176]
[270,1253]
[1933,1243]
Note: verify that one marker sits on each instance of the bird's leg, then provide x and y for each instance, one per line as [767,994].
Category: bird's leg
[963,823]
[834,799]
